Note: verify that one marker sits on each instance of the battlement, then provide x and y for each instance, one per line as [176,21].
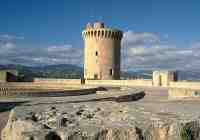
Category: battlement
[102,33]
[96,25]
[98,30]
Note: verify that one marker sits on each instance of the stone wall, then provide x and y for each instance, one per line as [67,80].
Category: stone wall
[120,82]
[62,83]
[179,93]
[32,85]
[3,76]
[138,82]
[177,90]
[163,78]
[57,81]
[185,84]
[184,89]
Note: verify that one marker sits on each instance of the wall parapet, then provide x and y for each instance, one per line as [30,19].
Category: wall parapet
[57,81]
[120,82]
[185,84]
[181,93]
[32,85]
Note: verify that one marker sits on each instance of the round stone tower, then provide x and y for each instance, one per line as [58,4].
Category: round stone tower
[102,52]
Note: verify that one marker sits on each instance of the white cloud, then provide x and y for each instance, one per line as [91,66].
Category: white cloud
[12,53]
[149,51]
[140,38]
[139,51]
[7,46]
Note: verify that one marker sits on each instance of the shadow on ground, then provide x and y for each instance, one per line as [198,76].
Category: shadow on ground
[125,98]
[119,99]
[7,106]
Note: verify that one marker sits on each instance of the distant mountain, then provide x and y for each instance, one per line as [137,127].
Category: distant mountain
[141,74]
[147,74]
[189,75]
[27,73]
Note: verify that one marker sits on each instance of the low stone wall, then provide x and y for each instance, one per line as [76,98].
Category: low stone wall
[46,93]
[43,89]
[185,85]
[139,82]
[120,82]
[57,81]
[180,93]
[32,85]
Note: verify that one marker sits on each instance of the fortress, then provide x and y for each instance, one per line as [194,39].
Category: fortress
[102,54]
[102,48]
[102,67]
[102,106]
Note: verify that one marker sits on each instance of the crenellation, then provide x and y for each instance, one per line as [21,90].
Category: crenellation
[102,33]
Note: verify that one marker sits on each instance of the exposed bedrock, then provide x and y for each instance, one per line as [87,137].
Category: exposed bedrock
[87,123]
[104,117]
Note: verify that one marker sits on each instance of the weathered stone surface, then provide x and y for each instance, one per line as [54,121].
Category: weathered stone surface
[102,117]
[182,93]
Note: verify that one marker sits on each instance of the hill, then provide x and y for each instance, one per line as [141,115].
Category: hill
[68,71]
[27,73]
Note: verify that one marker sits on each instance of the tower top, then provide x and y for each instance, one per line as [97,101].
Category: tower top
[99,30]
[88,26]
[96,25]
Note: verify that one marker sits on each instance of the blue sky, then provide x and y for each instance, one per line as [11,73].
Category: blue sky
[30,26]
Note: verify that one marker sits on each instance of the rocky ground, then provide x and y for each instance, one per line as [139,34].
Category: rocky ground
[126,114]
[3,119]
